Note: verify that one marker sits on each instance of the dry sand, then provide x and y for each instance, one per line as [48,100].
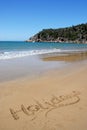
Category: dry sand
[55,101]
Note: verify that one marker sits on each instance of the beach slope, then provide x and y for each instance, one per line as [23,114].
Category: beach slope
[55,101]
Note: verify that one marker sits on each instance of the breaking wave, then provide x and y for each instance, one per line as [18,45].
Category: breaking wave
[19,54]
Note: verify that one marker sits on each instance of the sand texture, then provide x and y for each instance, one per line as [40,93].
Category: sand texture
[55,101]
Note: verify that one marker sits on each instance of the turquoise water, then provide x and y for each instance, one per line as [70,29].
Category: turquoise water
[29,63]
[12,49]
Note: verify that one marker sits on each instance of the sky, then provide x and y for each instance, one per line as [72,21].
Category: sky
[21,19]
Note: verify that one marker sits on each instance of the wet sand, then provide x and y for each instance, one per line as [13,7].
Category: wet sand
[67,57]
[31,66]
[55,101]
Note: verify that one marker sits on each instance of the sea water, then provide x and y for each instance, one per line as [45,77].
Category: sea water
[21,59]
[16,49]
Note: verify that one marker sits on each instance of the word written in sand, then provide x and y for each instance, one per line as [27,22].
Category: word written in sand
[46,106]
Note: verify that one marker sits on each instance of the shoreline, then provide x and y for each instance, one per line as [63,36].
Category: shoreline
[32,66]
[76,42]
[67,57]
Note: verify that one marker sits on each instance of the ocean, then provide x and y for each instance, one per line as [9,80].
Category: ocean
[19,49]
[22,59]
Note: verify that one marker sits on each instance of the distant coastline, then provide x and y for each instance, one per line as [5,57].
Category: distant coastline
[78,42]
[74,34]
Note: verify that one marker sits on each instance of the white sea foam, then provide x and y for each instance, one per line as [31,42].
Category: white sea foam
[19,54]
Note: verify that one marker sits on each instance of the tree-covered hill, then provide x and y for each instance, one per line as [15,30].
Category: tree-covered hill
[76,33]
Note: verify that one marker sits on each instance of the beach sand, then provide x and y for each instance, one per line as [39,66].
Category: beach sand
[55,101]
[67,58]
